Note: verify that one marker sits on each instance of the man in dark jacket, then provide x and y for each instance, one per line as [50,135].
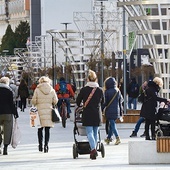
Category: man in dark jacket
[133,93]
[7,111]
[148,110]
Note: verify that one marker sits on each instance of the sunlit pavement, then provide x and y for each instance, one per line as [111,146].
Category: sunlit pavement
[60,156]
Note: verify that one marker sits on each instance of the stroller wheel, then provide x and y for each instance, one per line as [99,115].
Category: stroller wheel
[102,150]
[75,153]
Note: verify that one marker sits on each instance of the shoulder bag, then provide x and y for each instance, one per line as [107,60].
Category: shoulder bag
[104,110]
[79,109]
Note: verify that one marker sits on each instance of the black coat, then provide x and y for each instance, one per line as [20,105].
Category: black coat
[92,113]
[6,101]
[148,109]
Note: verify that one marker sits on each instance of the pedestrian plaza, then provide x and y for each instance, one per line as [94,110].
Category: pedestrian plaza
[60,156]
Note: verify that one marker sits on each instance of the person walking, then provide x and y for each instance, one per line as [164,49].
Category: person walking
[133,93]
[7,112]
[148,110]
[44,98]
[91,117]
[23,93]
[142,89]
[14,89]
[113,107]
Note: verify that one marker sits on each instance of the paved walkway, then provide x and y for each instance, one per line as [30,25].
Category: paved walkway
[60,156]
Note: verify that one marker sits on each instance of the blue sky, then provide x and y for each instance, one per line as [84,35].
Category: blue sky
[56,12]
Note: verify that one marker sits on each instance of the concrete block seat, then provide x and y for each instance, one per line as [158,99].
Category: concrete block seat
[145,152]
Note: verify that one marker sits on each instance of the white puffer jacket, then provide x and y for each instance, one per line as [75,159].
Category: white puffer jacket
[43,98]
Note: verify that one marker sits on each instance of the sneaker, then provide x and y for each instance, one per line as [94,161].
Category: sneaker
[134,134]
[107,140]
[143,135]
[117,141]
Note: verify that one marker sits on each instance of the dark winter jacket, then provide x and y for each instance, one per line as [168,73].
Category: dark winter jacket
[148,109]
[133,89]
[92,112]
[114,110]
[23,91]
[6,100]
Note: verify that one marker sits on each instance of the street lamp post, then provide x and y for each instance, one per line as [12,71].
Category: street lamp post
[66,50]
[53,57]
[124,59]
[102,46]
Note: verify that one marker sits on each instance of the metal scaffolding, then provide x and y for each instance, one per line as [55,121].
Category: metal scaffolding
[152,18]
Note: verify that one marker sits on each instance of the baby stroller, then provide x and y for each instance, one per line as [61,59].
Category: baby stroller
[83,147]
[163,120]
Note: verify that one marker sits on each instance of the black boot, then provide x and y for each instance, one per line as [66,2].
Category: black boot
[134,134]
[47,137]
[147,138]
[143,135]
[5,150]
[45,148]
[40,139]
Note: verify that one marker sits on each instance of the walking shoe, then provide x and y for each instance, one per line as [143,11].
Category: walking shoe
[143,135]
[134,134]
[68,115]
[107,140]
[147,138]
[117,141]
[93,154]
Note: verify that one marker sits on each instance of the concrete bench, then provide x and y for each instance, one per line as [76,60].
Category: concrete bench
[145,152]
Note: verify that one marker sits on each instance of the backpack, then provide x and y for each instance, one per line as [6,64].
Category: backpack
[63,88]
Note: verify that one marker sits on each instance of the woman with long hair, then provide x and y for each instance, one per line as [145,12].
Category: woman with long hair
[44,98]
[91,118]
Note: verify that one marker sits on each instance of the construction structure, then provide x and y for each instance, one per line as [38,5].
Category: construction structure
[152,19]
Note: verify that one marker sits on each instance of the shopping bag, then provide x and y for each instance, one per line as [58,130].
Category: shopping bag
[55,115]
[34,118]
[16,135]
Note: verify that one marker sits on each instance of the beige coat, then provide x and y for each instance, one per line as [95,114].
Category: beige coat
[43,98]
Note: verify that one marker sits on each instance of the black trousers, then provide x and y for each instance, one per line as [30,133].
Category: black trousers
[23,103]
[148,123]
[40,135]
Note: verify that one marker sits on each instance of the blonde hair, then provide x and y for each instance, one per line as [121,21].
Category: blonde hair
[158,81]
[92,76]
[44,79]
[4,80]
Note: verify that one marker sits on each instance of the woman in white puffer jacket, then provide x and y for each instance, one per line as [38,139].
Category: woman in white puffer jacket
[44,98]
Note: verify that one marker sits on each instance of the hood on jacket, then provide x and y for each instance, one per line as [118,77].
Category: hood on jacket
[45,88]
[110,83]
[154,85]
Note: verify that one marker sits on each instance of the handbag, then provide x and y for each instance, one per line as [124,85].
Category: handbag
[55,115]
[16,135]
[34,117]
[104,110]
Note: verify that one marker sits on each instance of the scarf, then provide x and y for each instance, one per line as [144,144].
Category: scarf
[92,84]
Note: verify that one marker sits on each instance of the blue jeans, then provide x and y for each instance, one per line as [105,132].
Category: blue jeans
[131,101]
[67,100]
[139,122]
[112,129]
[92,135]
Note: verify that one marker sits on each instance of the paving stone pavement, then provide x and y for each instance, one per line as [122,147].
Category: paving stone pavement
[60,156]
